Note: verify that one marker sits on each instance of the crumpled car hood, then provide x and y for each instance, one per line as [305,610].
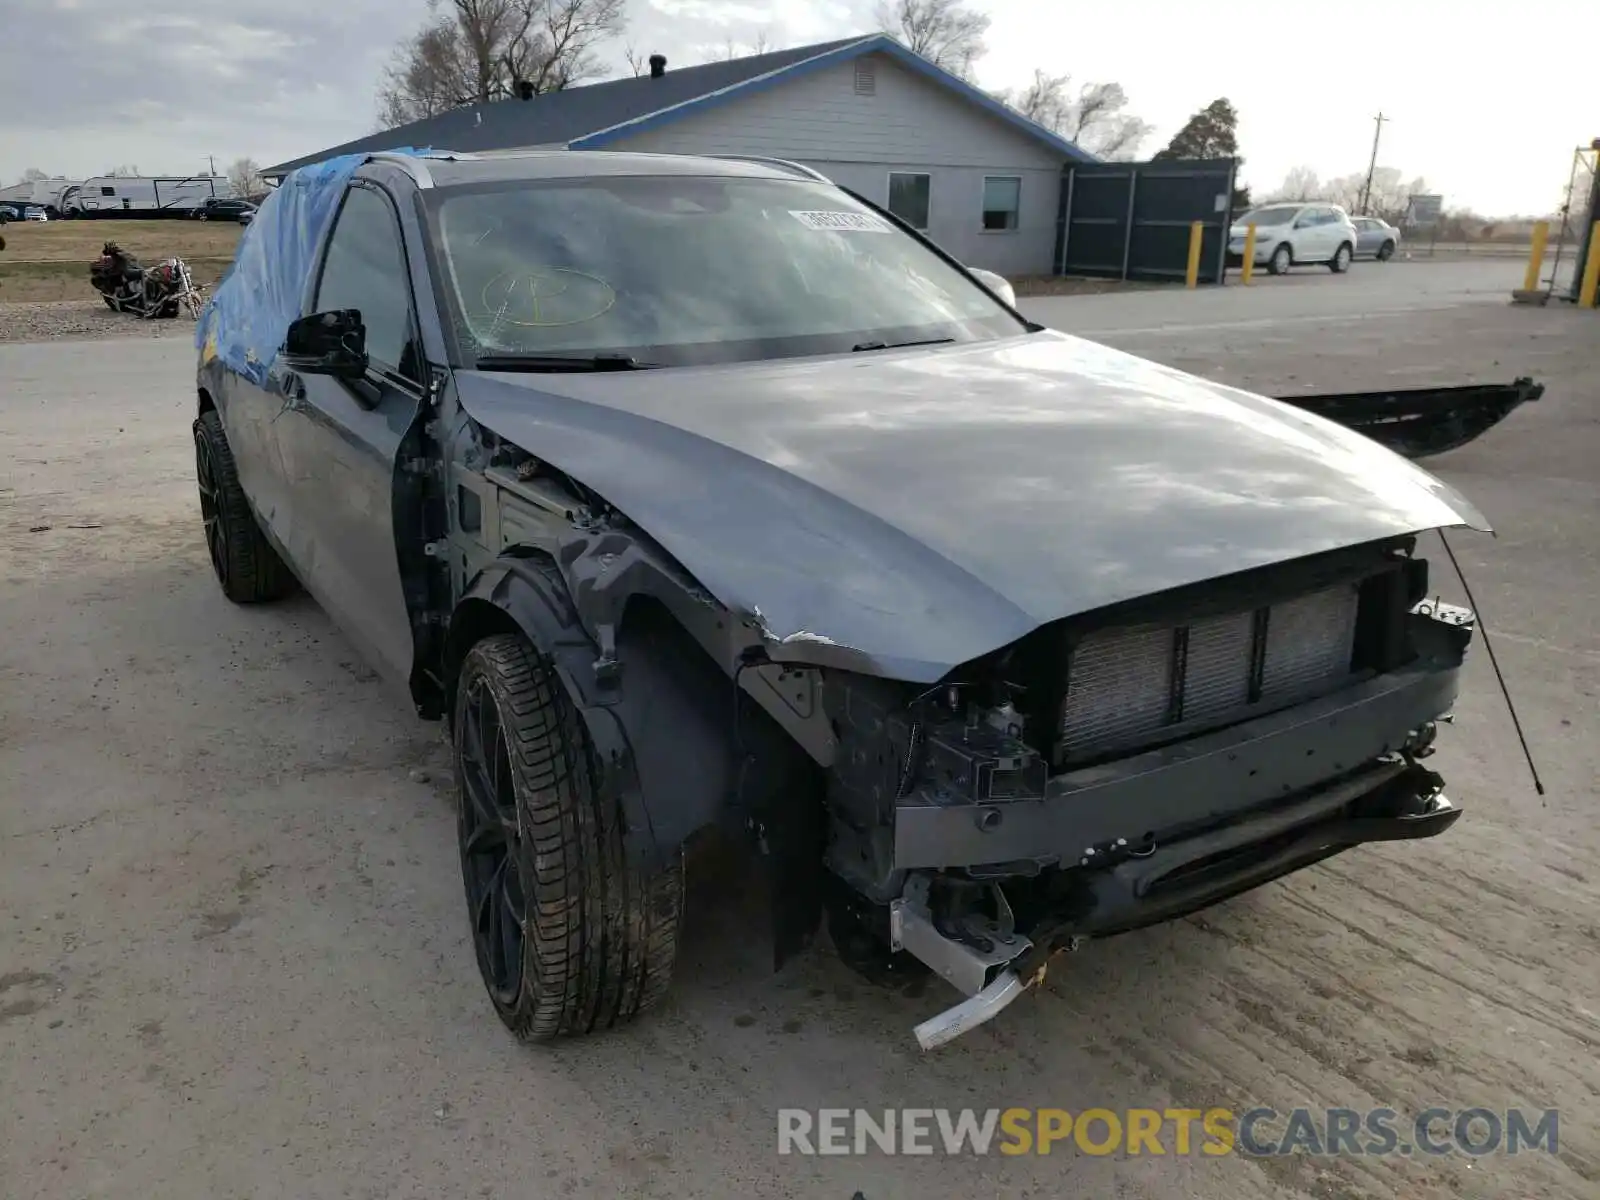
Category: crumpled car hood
[924,507]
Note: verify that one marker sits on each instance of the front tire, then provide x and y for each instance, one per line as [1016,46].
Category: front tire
[1280,262]
[247,567]
[1340,262]
[570,937]
[1386,252]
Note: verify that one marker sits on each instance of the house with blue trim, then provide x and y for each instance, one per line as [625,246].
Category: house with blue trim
[979,178]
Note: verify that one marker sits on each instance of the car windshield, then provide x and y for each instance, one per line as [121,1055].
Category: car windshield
[675,269]
[1270,216]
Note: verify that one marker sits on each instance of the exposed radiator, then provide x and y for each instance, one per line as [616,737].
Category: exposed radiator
[1137,685]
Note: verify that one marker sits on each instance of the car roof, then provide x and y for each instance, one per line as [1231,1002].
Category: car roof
[442,168]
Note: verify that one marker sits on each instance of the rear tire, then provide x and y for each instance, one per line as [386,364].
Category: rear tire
[570,936]
[1386,252]
[1280,262]
[246,565]
[1340,262]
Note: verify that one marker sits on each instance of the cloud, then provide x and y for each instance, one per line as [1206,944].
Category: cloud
[163,84]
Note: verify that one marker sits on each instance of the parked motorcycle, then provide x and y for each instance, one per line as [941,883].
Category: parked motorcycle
[162,290]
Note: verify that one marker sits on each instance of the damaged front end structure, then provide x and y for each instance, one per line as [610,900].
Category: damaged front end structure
[1044,795]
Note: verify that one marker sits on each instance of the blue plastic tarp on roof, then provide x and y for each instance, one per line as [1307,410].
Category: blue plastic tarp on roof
[248,315]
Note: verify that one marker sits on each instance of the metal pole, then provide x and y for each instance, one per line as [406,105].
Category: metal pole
[1127,233]
[1372,167]
[1227,226]
[1065,233]
[1587,252]
[1541,234]
[1589,288]
[1197,233]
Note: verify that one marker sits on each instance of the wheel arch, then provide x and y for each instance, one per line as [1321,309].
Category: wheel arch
[655,706]
[678,745]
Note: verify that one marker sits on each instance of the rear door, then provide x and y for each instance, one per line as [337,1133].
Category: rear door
[339,440]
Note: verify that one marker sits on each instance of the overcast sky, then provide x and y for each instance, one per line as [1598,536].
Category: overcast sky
[1487,99]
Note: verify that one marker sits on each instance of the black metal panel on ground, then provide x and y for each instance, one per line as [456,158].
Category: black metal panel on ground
[1132,220]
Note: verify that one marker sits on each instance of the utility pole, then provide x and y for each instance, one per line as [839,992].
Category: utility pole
[212,159]
[1372,167]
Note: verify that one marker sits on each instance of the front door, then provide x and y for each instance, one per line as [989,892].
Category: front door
[1308,235]
[339,440]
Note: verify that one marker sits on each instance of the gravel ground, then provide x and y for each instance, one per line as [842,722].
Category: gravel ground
[77,320]
[233,950]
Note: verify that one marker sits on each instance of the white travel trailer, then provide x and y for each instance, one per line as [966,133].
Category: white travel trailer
[43,193]
[141,196]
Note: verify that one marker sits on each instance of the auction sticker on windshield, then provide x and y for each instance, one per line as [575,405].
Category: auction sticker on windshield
[842,222]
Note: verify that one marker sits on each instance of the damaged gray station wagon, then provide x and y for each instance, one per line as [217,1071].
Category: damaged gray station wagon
[701,494]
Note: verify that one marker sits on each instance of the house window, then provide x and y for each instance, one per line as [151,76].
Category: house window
[866,77]
[908,197]
[1002,200]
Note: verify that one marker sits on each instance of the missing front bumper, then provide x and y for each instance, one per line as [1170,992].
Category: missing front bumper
[1391,800]
[1202,782]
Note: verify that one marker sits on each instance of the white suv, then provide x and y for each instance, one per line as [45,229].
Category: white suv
[1290,235]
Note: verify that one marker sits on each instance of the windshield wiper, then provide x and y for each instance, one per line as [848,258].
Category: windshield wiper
[899,345]
[554,363]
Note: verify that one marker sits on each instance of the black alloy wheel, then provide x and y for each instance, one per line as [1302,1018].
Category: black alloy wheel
[492,850]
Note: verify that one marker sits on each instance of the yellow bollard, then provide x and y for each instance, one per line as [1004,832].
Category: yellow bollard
[1249,253]
[1541,234]
[1196,232]
[1591,271]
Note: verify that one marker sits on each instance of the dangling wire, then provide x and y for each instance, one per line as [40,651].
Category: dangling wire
[1538,785]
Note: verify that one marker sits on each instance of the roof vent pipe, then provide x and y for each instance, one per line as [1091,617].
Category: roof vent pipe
[658,65]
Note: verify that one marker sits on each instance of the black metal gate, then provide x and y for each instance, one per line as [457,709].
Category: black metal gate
[1132,220]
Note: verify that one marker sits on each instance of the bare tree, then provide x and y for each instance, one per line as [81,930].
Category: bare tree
[1301,183]
[478,51]
[637,63]
[945,32]
[122,172]
[1390,196]
[760,44]
[1092,118]
[33,175]
[245,176]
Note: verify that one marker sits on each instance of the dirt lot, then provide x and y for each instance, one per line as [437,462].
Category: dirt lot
[233,957]
[49,261]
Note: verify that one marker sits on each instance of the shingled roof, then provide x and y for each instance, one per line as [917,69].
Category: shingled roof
[588,117]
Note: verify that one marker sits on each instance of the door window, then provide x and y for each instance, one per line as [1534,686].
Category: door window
[908,197]
[365,269]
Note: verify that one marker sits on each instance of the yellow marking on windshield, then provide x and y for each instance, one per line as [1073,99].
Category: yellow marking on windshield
[551,297]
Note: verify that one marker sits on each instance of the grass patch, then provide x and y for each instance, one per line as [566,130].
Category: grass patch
[31,281]
[148,241]
[1058,285]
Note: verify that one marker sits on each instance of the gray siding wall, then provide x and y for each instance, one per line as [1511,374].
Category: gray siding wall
[910,123]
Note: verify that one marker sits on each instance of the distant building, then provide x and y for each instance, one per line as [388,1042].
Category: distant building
[980,179]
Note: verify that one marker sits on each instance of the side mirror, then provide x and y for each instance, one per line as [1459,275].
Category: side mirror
[327,343]
[995,283]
